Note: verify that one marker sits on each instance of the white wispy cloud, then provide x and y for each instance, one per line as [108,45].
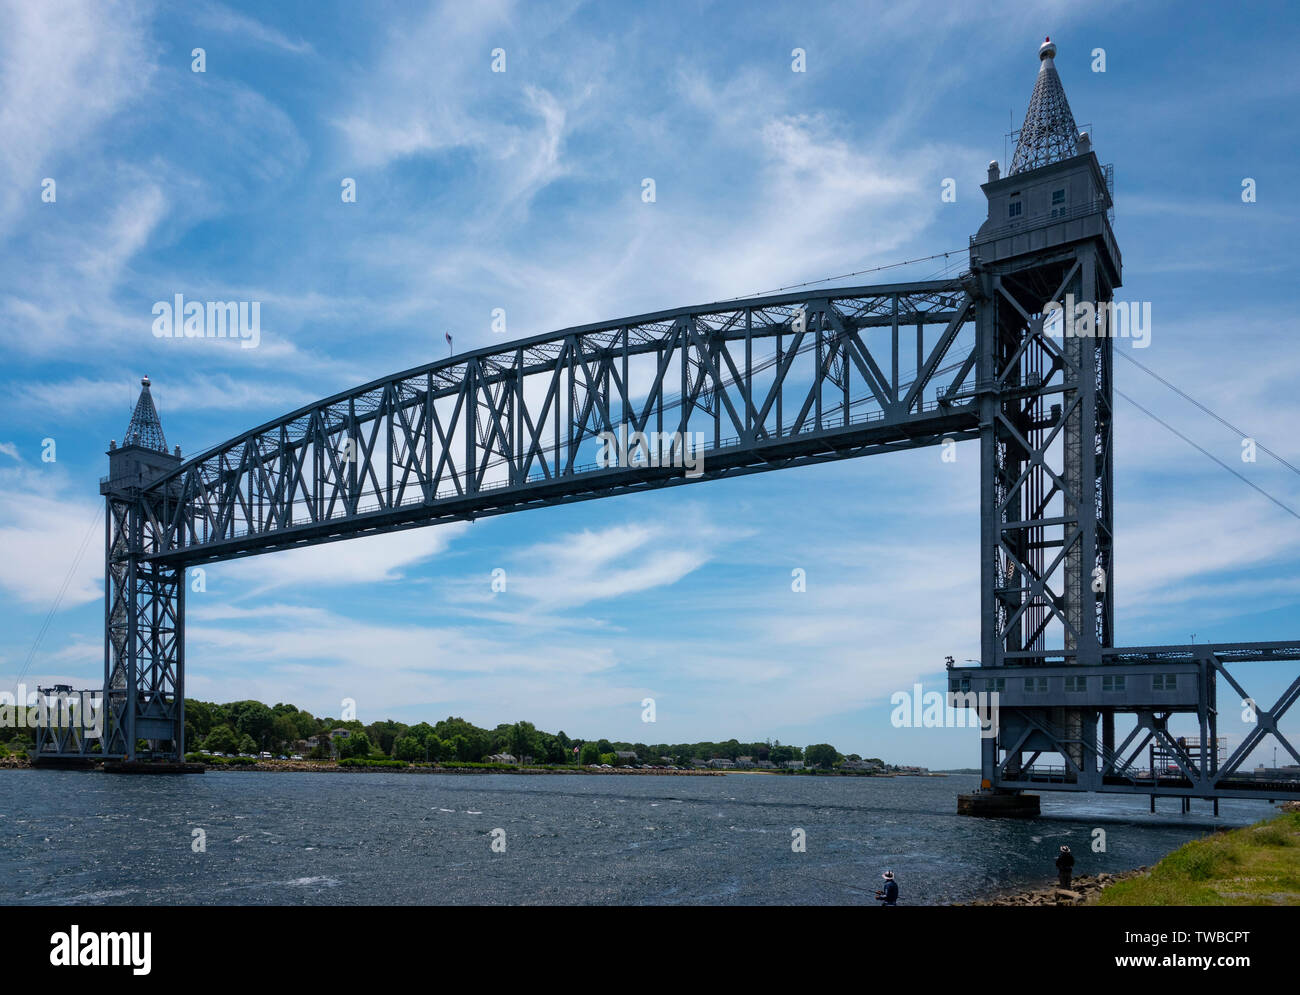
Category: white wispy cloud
[218,17]
[367,560]
[43,531]
[66,69]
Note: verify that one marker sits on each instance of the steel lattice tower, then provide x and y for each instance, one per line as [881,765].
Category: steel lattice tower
[145,429]
[1049,133]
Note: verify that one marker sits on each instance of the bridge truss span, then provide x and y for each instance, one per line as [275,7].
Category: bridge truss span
[732,388]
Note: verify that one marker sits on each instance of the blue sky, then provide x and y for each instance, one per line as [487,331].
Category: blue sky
[522,190]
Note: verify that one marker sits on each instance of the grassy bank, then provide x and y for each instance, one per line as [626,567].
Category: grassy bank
[1254,865]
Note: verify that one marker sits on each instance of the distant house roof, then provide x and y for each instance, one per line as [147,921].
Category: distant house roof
[625,754]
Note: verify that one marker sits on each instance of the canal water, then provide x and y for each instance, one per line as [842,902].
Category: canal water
[70,837]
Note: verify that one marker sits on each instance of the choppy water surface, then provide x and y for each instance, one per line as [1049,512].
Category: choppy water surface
[69,837]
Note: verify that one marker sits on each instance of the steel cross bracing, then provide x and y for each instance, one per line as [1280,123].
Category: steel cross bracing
[759,384]
[1138,681]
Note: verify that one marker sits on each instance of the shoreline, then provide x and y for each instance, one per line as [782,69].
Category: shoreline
[332,766]
[1084,890]
[1087,889]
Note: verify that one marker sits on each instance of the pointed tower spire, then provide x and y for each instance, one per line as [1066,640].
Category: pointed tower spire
[145,428]
[1049,133]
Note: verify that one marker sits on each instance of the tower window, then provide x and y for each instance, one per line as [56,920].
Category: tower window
[1036,685]
[1076,684]
[1112,683]
[1164,682]
[1015,206]
[1058,197]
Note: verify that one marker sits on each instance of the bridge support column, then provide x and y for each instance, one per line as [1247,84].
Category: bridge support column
[999,804]
[1046,266]
[144,641]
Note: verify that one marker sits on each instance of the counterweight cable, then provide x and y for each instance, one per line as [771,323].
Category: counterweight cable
[58,598]
[1222,421]
[844,276]
[1240,476]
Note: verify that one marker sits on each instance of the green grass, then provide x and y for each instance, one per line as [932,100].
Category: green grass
[1255,865]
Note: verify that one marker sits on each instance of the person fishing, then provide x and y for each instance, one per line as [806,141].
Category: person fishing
[1065,866]
[888,895]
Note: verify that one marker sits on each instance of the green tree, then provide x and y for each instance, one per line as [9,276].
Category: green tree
[522,738]
[408,747]
[198,720]
[222,739]
[284,732]
[478,742]
[306,723]
[463,749]
[355,745]
[247,744]
[385,734]
[252,719]
[590,753]
[821,755]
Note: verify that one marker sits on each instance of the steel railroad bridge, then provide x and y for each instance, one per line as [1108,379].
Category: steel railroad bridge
[757,384]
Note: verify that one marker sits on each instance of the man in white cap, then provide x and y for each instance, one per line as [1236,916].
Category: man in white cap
[1065,866]
[889,894]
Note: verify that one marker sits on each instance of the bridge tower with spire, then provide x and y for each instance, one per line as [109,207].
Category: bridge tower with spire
[1046,580]
[144,600]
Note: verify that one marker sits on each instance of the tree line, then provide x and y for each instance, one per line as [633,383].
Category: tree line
[253,727]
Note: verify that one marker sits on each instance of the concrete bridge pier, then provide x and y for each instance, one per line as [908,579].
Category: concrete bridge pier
[998,804]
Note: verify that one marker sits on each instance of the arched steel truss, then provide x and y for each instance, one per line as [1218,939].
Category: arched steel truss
[758,384]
